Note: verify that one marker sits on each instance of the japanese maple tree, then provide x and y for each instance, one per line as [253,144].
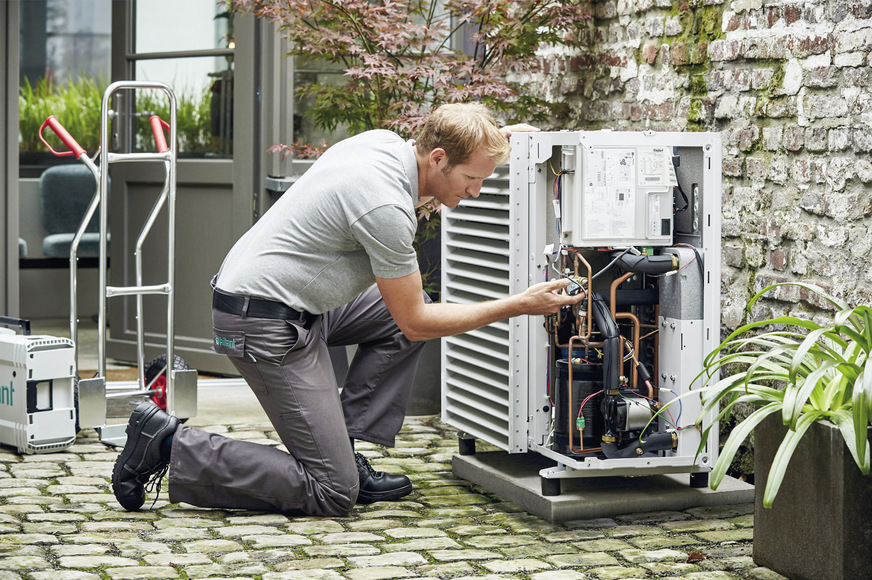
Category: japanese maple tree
[402,58]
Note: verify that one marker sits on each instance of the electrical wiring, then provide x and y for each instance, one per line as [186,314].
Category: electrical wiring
[558,209]
[696,258]
[648,407]
[680,189]
[610,264]
[677,398]
[572,288]
[548,380]
[554,171]
[631,355]
[588,398]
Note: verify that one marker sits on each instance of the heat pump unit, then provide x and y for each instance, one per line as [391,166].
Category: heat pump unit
[633,219]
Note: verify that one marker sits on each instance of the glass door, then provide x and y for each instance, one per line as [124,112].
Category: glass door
[9,239]
[210,60]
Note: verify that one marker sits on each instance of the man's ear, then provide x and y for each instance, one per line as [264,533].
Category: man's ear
[438,158]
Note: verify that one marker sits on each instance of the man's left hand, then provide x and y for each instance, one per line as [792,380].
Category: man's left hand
[519,128]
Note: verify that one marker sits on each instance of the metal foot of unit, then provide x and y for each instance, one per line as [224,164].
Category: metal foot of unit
[466,446]
[550,487]
[699,480]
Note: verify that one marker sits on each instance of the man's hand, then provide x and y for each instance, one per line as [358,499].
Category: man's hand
[519,128]
[548,297]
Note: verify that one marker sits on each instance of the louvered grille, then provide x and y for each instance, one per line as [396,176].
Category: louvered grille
[477,250]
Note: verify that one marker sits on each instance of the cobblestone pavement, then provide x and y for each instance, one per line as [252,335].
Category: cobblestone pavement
[59,519]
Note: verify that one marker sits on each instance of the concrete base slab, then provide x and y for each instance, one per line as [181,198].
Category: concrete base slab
[515,477]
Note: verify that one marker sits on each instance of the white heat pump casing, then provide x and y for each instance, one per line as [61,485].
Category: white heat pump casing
[495,379]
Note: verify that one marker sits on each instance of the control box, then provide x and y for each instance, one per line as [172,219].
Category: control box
[617,195]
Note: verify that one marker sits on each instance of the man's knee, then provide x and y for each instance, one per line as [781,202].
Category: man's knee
[341,497]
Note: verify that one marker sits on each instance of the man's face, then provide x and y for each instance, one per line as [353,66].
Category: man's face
[452,185]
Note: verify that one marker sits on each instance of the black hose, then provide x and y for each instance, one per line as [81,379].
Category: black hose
[659,264]
[611,362]
[611,343]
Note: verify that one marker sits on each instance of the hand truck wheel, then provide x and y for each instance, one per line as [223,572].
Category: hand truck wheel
[157,368]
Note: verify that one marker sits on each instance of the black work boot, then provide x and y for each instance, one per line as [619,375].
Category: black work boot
[378,485]
[148,427]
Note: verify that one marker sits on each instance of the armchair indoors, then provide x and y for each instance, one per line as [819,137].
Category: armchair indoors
[64,194]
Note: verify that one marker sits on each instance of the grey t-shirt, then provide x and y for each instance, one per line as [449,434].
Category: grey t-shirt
[348,219]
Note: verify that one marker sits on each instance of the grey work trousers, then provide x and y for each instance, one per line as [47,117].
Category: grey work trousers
[287,365]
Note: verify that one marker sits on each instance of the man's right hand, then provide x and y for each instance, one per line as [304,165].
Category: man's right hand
[548,297]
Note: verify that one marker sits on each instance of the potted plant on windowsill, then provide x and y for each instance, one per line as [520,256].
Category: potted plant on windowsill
[810,380]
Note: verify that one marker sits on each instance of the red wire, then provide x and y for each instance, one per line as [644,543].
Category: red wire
[589,397]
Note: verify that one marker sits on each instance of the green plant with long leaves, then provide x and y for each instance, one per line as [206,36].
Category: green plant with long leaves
[76,105]
[193,118]
[807,371]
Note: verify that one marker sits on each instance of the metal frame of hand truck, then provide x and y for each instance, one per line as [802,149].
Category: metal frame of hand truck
[181,385]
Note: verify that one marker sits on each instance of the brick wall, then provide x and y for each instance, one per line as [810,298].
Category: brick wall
[787,83]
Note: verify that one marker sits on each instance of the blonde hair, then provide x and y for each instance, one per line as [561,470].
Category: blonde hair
[461,129]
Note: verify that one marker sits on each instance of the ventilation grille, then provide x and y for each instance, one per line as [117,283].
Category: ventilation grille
[477,251]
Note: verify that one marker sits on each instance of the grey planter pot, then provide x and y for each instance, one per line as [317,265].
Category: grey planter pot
[820,525]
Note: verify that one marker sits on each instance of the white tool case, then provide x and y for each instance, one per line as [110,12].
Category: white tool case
[37,407]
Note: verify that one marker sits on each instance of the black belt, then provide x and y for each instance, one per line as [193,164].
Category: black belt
[253,307]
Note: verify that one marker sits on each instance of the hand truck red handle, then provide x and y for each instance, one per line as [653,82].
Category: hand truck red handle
[157,127]
[67,139]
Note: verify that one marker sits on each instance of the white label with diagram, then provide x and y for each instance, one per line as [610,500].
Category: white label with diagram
[609,191]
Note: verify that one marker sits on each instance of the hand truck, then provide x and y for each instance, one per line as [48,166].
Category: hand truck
[173,388]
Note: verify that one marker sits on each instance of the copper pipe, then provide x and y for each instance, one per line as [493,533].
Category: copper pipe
[625,315]
[657,347]
[650,334]
[585,343]
[571,407]
[613,291]
[589,316]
